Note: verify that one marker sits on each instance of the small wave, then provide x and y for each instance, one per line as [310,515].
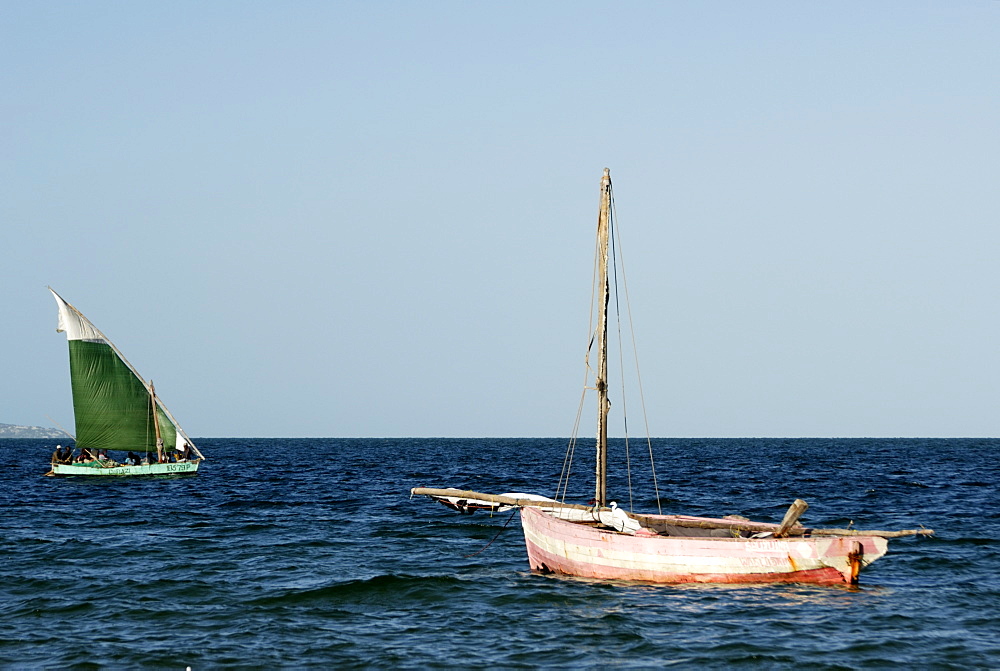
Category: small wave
[939,563]
[971,540]
[263,503]
[377,590]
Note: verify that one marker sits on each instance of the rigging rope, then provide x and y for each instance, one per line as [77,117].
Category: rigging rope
[621,364]
[563,485]
[638,373]
[617,259]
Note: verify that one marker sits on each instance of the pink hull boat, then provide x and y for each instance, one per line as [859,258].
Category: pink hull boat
[570,548]
[604,542]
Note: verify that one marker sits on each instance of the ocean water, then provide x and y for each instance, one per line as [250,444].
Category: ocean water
[309,553]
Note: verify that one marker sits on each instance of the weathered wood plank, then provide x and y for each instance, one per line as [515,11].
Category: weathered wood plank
[791,517]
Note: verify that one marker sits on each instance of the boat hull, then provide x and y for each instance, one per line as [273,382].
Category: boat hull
[180,468]
[558,546]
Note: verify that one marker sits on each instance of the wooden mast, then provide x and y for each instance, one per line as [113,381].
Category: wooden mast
[603,405]
[156,424]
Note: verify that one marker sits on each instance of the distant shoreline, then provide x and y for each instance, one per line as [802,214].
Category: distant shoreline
[22,431]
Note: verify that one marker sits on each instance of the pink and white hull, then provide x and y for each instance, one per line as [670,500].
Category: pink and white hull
[559,546]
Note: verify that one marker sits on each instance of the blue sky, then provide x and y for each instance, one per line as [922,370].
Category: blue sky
[376,219]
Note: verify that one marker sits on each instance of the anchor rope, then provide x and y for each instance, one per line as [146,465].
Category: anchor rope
[495,537]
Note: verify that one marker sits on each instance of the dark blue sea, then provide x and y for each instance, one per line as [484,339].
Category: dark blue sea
[309,553]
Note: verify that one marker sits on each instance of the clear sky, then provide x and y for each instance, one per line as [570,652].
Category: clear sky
[376,218]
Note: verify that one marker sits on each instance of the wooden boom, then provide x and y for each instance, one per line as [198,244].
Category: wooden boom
[496,498]
[792,529]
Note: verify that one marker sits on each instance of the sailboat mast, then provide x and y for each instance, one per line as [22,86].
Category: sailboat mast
[603,404]
[156,422]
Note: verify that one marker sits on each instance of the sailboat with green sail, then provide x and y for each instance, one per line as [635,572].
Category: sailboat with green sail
[116,411]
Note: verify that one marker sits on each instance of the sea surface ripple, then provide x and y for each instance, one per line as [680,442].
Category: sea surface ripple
[309,553]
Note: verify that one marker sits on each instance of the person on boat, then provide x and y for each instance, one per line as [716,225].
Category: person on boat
[132,459]
[85,457]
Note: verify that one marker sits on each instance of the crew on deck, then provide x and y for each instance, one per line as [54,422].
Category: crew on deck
[62,456]
[85,457]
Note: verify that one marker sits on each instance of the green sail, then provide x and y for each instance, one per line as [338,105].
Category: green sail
[112,406]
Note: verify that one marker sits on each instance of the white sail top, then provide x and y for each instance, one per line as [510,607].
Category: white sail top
[74,324]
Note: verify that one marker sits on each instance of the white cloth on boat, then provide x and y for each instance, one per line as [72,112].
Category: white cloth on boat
[618,519]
